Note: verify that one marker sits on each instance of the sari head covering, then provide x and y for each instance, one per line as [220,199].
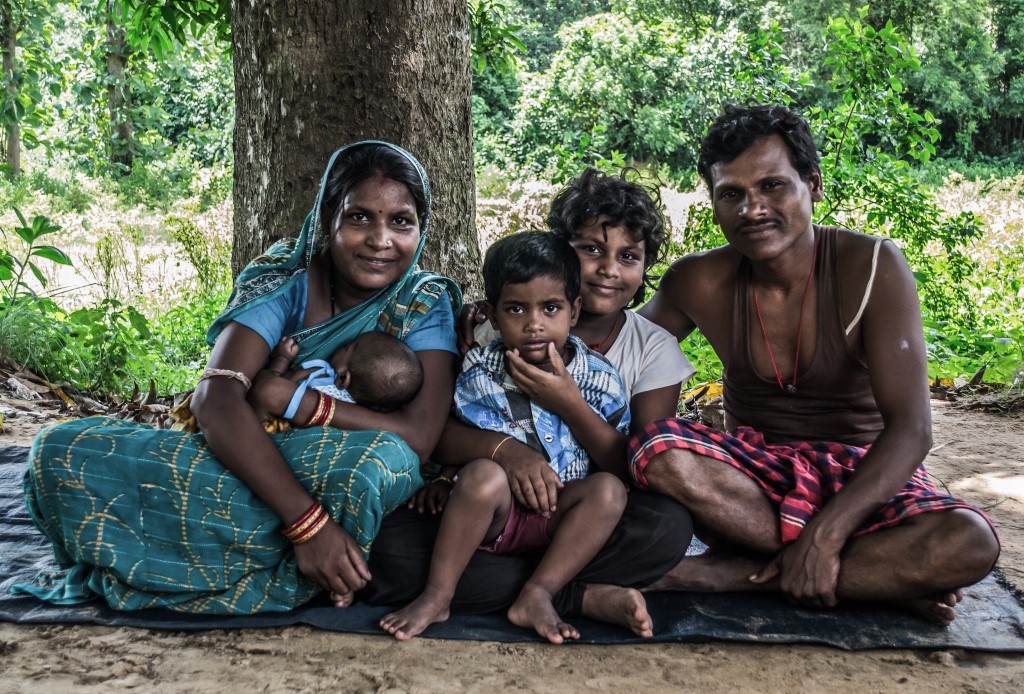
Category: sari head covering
[394,309]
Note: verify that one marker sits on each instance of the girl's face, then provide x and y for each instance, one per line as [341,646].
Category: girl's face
[611,266]
[375,239]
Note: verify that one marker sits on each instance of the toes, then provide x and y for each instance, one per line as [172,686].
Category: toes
[568,631]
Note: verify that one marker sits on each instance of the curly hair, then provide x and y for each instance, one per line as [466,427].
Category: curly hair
[738,128]
[624,201]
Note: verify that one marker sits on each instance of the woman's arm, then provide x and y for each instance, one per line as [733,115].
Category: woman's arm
[236,436]
[652,405]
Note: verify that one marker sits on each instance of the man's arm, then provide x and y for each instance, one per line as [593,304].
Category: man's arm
[894,348]
[666,307]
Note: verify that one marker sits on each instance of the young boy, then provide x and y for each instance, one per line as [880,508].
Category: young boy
[532,284]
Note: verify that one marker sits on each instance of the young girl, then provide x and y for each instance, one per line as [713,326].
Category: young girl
[618,232]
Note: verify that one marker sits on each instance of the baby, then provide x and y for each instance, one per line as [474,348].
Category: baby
[375,370]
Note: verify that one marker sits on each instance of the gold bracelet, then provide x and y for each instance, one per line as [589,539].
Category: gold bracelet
[500,444]
[444,478]
[237,375]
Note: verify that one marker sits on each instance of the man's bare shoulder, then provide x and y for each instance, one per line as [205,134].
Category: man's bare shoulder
[704,271]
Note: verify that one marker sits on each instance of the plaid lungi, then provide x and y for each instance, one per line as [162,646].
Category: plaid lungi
[798,477]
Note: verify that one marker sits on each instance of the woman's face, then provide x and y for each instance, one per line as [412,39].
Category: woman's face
[611,266]
[373,242]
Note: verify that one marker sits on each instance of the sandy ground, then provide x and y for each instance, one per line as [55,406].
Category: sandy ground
[978,456]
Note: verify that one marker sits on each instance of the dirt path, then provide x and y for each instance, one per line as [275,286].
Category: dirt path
[978,456]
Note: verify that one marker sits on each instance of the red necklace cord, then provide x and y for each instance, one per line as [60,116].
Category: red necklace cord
[791,388]
[596,346]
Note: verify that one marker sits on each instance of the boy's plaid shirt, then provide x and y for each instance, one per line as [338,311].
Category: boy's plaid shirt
[486,397]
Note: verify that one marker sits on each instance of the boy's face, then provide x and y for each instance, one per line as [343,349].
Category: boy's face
[534,314]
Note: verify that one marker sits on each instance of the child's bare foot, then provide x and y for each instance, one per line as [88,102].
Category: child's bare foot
[533,608]
[415,617]
[616,605]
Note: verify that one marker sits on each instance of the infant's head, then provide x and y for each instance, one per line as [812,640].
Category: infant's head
[380,372]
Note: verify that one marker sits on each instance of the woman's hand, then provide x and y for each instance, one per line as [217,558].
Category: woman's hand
[556,392]
[334,561]
[433,497]
[472,315]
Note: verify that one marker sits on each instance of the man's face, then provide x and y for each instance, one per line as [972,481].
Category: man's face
[760,201]
[534,314]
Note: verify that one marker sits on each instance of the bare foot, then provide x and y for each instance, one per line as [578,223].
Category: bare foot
[533,608]
[713,572]
[616,605]
[416,616]
[939,608]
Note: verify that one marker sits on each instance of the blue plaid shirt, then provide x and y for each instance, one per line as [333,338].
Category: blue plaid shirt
[486,397]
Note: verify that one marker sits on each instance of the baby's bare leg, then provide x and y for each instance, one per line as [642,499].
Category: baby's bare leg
[476,512]
[588,511]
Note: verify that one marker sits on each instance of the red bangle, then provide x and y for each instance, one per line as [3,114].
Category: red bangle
[312,530]
[308,519]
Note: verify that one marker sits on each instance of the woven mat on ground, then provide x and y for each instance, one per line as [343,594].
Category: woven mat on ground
[991,617]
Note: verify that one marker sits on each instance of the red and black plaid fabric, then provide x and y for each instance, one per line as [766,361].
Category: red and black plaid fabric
[798,477]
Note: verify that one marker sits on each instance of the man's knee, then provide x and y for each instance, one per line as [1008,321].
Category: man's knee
[677,473]
[961,545]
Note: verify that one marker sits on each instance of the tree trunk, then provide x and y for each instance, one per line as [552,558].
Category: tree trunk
[311,75]
[122,149]
[12,131]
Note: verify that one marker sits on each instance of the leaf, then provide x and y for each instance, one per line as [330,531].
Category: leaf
[38,273]
[52,253]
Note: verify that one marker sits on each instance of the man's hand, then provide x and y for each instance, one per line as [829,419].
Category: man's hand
[333,559]
[806,570]
[556,392]
[532,481]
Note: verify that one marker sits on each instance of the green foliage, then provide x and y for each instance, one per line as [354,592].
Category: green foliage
[648,89]
[13,281]
[112,339]
[209,256]
[493,37]
[33,73]
[161,25]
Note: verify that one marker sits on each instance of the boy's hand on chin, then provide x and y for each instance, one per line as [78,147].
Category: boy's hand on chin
[555,391]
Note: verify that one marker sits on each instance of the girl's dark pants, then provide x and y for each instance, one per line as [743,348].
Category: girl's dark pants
[650,539]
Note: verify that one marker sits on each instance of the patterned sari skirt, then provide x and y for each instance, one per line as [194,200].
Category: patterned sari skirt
[150,518]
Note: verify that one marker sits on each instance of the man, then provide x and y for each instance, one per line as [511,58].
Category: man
[819,333]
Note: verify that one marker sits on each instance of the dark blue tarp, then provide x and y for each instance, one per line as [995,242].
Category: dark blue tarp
[991,617]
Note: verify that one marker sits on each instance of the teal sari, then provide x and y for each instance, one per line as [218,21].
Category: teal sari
[143,517]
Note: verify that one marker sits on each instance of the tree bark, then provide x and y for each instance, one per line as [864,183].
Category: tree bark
[122,149]
[311,75]
[12,130]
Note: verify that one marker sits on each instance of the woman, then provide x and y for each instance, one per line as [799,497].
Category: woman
[150,518]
